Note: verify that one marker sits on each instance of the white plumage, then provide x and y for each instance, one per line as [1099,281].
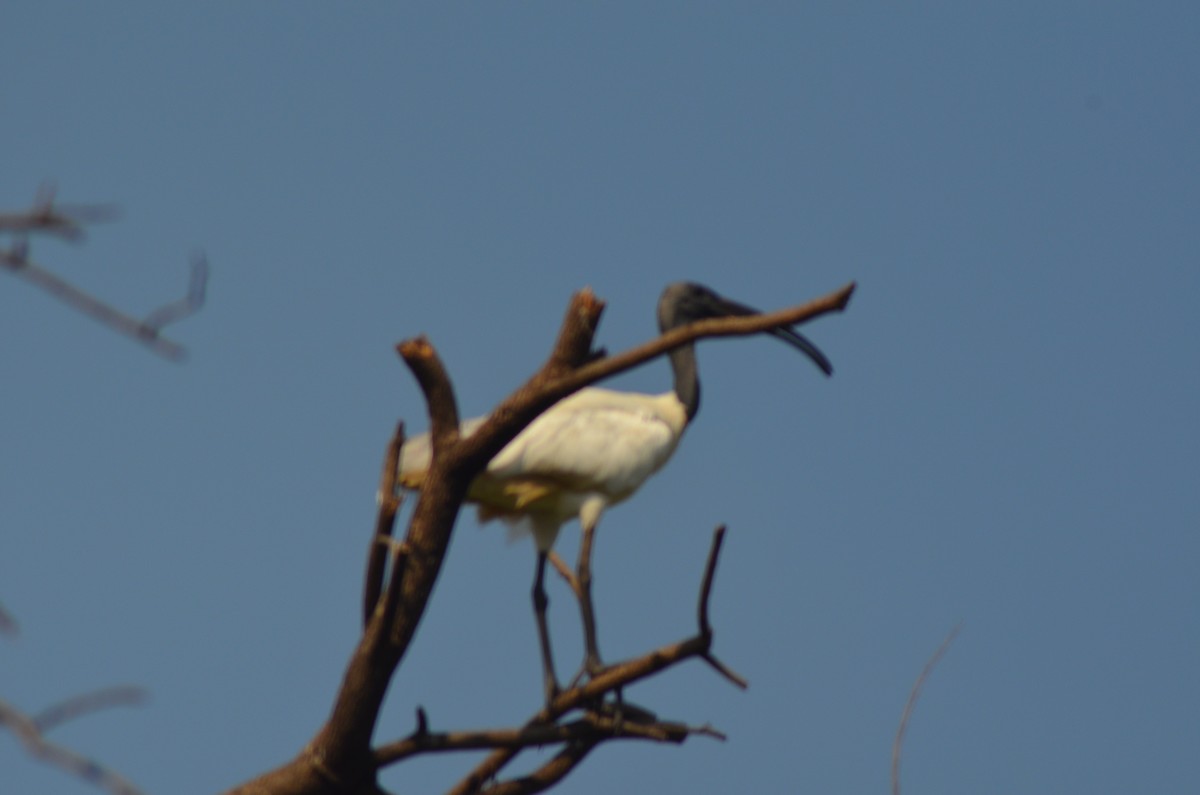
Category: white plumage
[591,450]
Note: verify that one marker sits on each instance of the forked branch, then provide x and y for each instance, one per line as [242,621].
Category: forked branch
[590,695]
[31,731]
[388,499]
[592,726]
[46,219]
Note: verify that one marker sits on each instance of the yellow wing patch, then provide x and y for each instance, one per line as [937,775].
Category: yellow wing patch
[412,480]
[496,497]
[507,497]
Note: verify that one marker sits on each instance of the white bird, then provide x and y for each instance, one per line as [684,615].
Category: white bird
[592,450]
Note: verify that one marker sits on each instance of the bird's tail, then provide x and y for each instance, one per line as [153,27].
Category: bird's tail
[544,529]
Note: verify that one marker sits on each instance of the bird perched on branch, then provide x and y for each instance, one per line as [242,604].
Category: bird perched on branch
[592,450]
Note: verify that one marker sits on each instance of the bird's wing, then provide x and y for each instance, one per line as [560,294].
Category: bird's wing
[496,497]
[596,440]
[417,453]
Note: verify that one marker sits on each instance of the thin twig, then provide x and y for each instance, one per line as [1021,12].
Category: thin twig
[46,219]
[591,726]
[708,730]
[72,708]
[724,670]
[710,571]
[564,571]
[910,705]
[385,521]
[64,222]
[30,735]
[17,262]
[186,306]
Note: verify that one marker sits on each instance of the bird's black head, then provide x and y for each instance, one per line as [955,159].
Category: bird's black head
[686,302]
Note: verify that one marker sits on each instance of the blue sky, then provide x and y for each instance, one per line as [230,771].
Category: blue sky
[1010,439]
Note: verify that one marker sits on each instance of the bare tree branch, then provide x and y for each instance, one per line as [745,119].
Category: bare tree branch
[31,732]
[64,222]
[45,219]
[548,774]
[564,571]
[910,705]
[389,503]
[710,571]
[592,726]
[186,306]
[72,708]
[431,375]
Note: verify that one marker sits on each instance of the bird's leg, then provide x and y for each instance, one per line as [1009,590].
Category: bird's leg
[539,612]
[583,578]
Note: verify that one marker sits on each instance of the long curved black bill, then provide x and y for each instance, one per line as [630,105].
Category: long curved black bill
[785,333]
[799,341]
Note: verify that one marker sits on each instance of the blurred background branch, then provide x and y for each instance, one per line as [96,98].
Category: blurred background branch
[67,223]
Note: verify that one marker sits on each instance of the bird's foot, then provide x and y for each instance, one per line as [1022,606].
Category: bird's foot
[592,667]
[552,689]
[622,711]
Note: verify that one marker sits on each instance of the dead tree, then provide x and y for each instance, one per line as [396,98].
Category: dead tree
[341,758]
